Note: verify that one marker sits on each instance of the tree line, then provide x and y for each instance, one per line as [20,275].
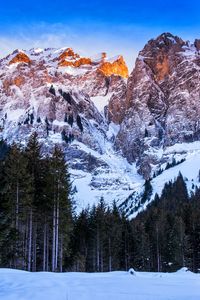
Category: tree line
[164,237]
[35,209]
[40,231]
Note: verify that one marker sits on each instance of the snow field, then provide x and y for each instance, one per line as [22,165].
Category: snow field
[21,285]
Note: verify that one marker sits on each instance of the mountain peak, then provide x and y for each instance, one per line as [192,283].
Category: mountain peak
[159,54]
[20,57]
[165,40]
[115,66]
[68,54]
[168,38]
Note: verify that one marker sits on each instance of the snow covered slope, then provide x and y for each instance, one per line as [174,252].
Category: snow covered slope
[113,178]
[186,157]
[21,285]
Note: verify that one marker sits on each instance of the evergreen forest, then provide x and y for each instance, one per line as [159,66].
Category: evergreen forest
[40,231]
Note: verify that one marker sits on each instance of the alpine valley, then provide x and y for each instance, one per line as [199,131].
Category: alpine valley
[118,131]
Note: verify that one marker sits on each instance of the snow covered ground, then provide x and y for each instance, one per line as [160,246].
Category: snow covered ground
[21,285]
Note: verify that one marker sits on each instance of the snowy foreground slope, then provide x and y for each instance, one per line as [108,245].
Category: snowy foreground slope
[20,285]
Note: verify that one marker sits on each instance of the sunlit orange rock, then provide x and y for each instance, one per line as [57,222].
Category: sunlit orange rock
[6,84]
[68,53]
[82,61]
[162,68]
[20,58]
[72,59]
[77,63]
[18,81]
[117,67]
[66,63]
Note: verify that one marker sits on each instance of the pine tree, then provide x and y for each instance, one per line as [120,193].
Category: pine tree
[147,191]
[65,118]
[62,210]
[16,192]
[116,239]
[34,167]
[71,120]
[80,241]
[79,123]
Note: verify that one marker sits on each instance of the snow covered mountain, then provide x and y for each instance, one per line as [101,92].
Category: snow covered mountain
[115,133]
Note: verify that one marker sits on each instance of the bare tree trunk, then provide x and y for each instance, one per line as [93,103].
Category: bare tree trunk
[94,258]
[34,265]
[157,250]
[61,253]
[23,246]
[97,249]
[110,256]
[17,206]
[54,237]
[125,252]
[16,220]
[44,246]
[30,240]
[57,235]
[101,259]
[47,249]
[182,236]
[26,243]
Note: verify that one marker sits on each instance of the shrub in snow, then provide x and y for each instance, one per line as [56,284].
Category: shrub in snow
[52,90]
[67,97]
[79,123]
[183,270]
[132,271]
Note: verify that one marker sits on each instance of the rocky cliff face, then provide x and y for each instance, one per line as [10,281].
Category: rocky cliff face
[162,101]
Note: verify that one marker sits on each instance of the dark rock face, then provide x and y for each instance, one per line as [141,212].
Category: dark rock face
[162,100]
[197,44]
[116,109]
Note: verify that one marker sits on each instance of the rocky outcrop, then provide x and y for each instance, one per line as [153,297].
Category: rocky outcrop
[20,58]
[117,67]
[117,106]
[77,63]
[68,54]
[162,55]
[197,44]
[162,101]
[104,65]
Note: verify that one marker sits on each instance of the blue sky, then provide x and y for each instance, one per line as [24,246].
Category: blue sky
[118,27]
